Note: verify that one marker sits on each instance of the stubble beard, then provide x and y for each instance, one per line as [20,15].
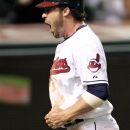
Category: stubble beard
[58,29]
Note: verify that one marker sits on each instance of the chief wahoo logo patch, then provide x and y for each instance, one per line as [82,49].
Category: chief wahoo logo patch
[94,64]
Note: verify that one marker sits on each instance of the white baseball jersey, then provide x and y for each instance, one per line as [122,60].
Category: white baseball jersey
[79,61]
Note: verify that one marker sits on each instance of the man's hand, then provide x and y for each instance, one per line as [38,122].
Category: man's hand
[56,118]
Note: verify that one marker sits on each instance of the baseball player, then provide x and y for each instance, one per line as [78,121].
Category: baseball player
[78,84]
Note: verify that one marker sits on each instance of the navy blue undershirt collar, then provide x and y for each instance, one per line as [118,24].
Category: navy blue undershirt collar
[84,25]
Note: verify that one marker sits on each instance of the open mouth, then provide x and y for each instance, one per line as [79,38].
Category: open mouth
[48,25]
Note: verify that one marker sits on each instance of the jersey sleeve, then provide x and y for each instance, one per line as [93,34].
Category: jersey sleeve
[90,63]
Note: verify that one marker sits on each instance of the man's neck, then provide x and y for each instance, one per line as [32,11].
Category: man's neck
[71,27]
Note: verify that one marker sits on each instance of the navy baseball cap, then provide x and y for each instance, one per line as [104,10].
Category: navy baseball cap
[77,4]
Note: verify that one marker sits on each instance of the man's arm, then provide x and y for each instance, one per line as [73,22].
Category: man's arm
[58,117]
[93,97]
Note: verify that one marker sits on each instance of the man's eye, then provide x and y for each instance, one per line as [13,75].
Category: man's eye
[48,10]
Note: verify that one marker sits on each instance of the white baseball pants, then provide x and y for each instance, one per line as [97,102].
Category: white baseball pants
[106,122]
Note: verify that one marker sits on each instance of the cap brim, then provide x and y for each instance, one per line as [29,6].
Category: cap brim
[46,4]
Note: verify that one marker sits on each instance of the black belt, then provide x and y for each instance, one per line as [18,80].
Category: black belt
[76,121]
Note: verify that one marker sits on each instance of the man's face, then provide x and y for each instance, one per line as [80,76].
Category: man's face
[54,18]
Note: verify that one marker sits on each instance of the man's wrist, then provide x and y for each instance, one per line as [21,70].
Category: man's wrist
[70,114]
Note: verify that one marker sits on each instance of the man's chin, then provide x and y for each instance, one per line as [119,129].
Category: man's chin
[56,35]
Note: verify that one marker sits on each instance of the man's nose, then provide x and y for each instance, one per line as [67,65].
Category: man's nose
[44,15]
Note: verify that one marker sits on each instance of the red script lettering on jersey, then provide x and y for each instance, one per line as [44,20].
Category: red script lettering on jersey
[94,64]
[59,66]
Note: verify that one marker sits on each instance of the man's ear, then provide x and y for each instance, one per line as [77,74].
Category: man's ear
[66,11]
